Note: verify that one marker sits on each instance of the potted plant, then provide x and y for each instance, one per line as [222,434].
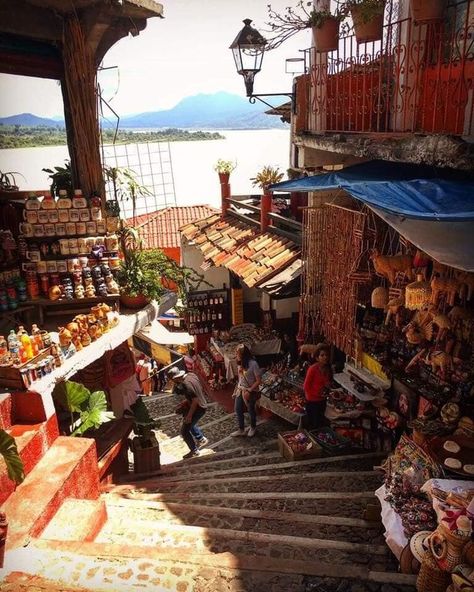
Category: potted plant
[367,16]
[144,446]
[325,26]
[87,410]
[146,275]
[266,177]
[61,178]
[125,188]
[423,11]
[224,169]
[15,471]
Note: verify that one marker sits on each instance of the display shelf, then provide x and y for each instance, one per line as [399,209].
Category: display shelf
[63,301]
[368,377]
[345,381]
[280,410]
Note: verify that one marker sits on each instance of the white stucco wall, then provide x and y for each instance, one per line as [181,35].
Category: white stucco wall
[286,307]
[192,257]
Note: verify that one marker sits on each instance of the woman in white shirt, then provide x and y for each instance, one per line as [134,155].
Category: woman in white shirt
[246,393]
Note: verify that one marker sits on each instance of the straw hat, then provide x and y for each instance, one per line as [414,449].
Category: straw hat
[419,544]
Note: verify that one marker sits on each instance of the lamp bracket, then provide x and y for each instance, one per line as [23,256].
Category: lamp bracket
[253,98]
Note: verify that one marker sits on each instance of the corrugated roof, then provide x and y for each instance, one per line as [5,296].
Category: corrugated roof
[160,229]
[252,255]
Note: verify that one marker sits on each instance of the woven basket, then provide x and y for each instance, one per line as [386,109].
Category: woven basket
[446,547]
[379,297]
[430,577]
[417,294]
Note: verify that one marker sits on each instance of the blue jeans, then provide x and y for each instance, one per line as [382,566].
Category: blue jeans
[315,414]
[190,431]
[241,406]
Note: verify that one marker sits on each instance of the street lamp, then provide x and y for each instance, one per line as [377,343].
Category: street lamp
[248,49]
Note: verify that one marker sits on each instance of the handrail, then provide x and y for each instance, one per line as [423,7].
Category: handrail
[244,218]
[244,205]
[288,221]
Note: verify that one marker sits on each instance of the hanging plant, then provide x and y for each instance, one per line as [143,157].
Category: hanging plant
[367,16]
[61,178]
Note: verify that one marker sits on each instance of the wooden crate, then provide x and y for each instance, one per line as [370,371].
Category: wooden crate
[10,376]
[287,452]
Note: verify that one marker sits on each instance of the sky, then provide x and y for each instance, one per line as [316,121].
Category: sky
[184,54]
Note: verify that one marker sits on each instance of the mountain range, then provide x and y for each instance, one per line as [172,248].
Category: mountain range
[221,110]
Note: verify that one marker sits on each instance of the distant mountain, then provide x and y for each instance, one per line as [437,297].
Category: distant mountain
[30,119]
[217,111]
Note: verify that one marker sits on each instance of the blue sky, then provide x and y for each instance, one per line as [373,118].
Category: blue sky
[184,54]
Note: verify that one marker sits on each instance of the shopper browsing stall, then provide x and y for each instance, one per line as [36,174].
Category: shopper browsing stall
[188,384]
[246,393]
[315,386]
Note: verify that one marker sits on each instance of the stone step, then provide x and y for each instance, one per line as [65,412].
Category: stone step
[321,527]
[22,582]
[235,541]
[66,470]
[77,520]
[32,441]
[126,568]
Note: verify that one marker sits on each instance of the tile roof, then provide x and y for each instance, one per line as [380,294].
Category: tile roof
[252,255]
[160,229]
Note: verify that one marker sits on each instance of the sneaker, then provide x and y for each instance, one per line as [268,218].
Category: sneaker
[251,432]
[202,442]
[238,433]
[191,454]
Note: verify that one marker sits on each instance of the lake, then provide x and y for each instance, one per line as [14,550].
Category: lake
[195,180]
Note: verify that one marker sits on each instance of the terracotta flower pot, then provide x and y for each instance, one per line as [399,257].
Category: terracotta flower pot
[326,37]
[134,302]
[423,11]
[371,30]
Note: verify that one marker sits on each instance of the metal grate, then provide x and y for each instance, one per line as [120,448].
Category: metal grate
[152,165]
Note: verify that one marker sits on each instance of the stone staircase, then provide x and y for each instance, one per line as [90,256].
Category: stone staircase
[237,518]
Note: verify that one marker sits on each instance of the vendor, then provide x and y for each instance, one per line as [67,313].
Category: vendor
[317,381]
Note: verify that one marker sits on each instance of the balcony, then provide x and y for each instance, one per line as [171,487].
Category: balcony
[418,79]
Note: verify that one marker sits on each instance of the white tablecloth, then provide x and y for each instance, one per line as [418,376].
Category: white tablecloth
[266,348]
[394,534]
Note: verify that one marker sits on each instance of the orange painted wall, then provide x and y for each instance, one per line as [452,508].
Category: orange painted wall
[175,254]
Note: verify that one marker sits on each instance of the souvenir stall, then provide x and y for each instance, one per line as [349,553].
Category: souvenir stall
[56,253]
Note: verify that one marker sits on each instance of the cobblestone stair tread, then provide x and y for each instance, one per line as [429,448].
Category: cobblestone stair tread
[112,567]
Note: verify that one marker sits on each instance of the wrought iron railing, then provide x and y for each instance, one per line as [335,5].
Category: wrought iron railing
[419,78]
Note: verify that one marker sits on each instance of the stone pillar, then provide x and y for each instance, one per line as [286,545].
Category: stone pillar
[265,209]
[225,193]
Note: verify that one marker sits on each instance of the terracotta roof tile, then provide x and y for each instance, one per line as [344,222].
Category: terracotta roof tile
[161,229]
[252,255]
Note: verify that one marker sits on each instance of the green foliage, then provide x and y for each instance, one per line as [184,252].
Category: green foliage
[317,18]
[76,398]
[22,136]
[125,185]
[144,423]
[224,166]
[267,176]
[9,451]
[367,9]
[61,178]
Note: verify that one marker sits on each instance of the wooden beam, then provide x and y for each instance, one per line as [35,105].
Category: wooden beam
[30,65]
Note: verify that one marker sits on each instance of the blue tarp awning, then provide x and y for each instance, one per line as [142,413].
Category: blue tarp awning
[413,191]
[433,208]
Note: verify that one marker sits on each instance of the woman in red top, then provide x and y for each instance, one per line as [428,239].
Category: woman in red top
[315,386]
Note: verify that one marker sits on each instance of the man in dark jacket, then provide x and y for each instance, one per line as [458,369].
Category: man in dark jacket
[189,385]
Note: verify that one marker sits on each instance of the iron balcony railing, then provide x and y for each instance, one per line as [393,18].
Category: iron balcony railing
[419,78]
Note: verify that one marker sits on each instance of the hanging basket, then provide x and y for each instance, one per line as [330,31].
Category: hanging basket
[423,11]
[417,294]
[365,31]
[326,37]
[379,297]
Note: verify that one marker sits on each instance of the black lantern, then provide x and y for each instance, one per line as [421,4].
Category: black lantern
[248,49]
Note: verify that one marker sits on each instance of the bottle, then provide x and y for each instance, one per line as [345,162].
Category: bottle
[64,202]
[26,343]
[36,334]
[21,331]
[14,346]
[79,201]
[3,350]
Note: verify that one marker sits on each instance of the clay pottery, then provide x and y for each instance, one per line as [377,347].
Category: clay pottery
[64,337]
[423,11]
[326,37]
[371,30]
[134,302]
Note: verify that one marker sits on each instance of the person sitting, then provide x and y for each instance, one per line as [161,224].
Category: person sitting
[246,393]
[189,385]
